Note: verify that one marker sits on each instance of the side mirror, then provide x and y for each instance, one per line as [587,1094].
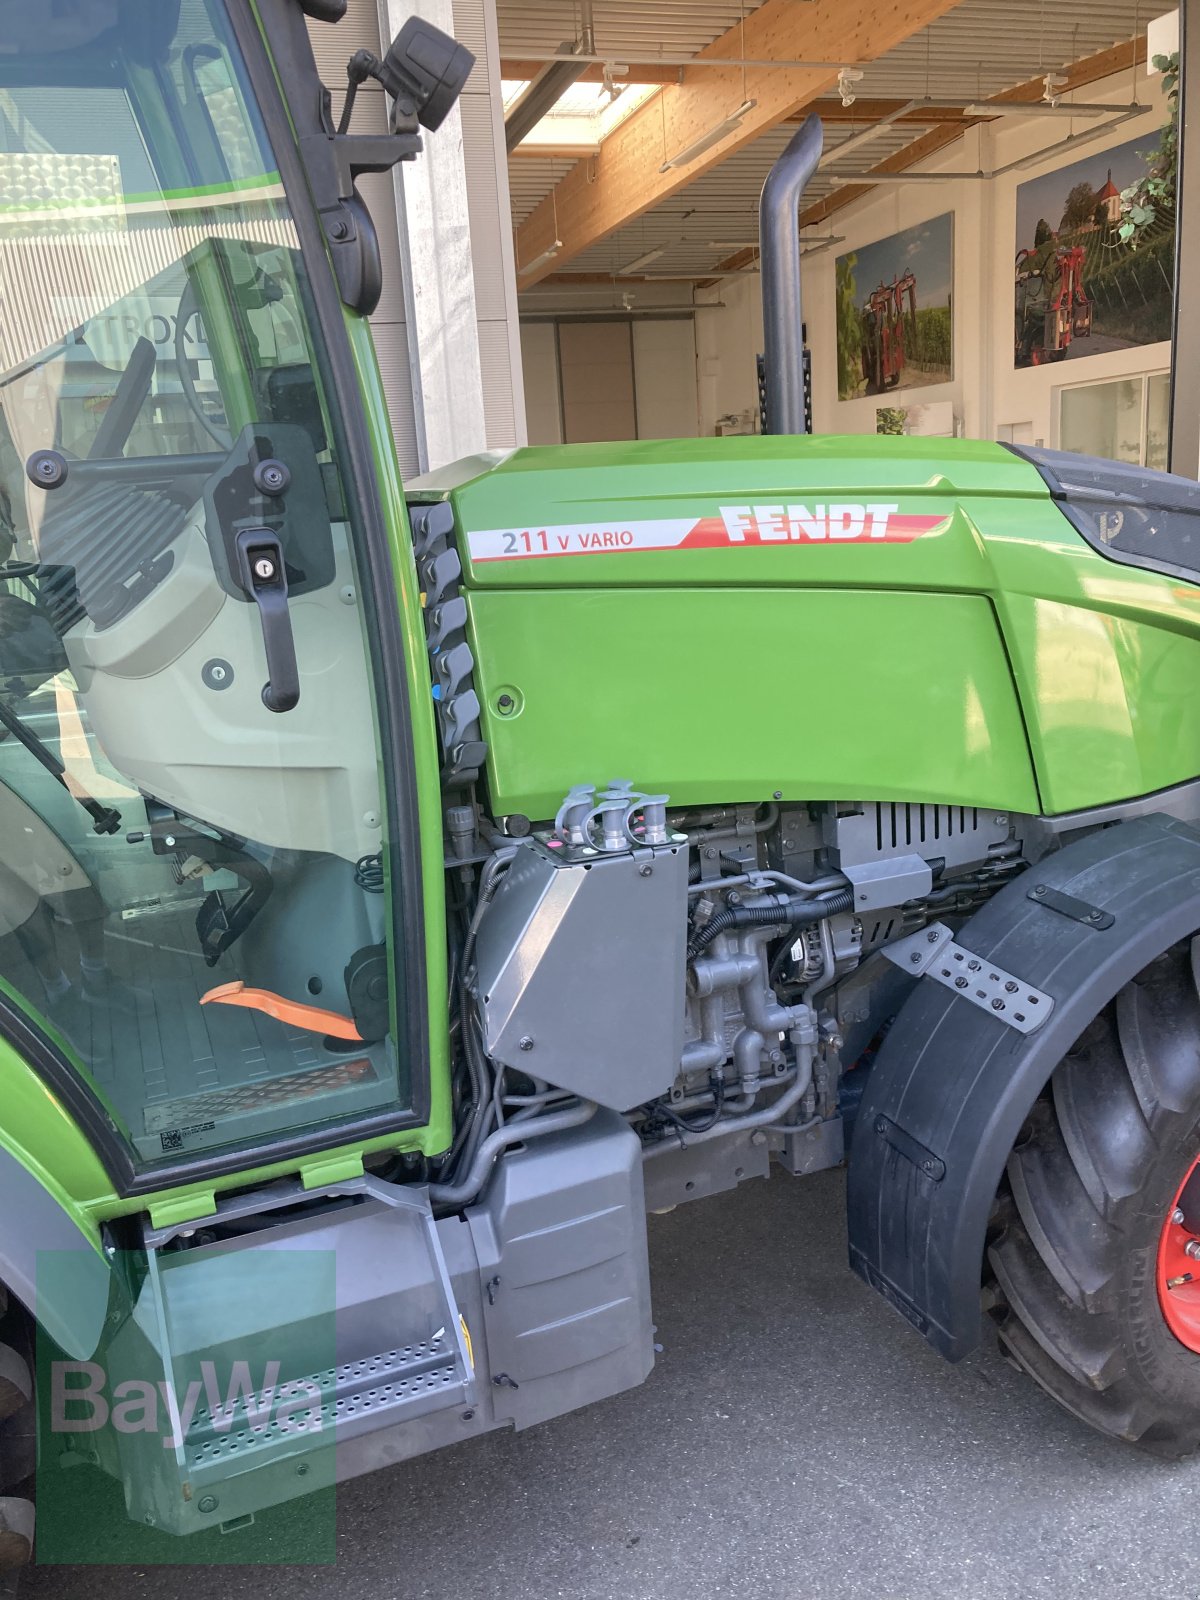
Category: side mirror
[423,73]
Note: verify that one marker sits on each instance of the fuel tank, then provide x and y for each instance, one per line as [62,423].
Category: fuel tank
[817,619]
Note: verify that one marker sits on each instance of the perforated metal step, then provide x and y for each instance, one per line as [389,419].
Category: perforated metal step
[322,1315]
[395,1385]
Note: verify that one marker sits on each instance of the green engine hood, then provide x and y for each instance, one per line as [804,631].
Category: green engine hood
[814,618]
[742,510]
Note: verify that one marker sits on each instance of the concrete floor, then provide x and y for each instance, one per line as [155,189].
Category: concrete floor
[796,1439]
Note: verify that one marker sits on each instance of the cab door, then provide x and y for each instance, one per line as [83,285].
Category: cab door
[209,900]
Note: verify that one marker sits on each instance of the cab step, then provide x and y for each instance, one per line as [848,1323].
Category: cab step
[277,1330]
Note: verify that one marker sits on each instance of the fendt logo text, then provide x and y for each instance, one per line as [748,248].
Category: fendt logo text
[845,523]
[840,523]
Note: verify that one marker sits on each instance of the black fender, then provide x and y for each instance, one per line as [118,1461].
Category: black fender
[952,1084]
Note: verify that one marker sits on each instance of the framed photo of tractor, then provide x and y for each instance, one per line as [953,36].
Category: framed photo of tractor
[1081,287]
[894,307]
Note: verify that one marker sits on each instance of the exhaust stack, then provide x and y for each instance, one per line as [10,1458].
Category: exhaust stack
[779,239]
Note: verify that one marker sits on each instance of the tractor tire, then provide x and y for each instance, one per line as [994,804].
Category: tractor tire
[18,1442]
[1086,1275]
[16,1539]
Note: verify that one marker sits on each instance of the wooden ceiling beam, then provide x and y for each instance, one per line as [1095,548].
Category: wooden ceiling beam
[607,191]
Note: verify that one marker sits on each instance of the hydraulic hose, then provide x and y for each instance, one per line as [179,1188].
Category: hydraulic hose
[768,1117]
[790,911]
[461,1194]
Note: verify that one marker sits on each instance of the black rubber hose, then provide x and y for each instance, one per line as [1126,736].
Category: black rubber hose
[710,1121]
[790,911]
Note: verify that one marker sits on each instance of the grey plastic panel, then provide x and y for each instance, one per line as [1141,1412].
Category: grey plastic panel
[1128,513]
[70,1295]
[581,971]
[561,1242]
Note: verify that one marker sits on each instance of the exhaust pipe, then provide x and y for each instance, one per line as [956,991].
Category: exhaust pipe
[779,243]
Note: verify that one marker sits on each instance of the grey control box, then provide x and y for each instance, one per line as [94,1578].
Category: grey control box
[580,969]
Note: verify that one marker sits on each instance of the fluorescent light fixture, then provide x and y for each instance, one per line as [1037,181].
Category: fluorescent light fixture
[1034,159]
[843,179]
[836,152]
[1033,108]
[642,261]
[706,140]
[547,313]
[1072,141]
[816,248]
[540,261]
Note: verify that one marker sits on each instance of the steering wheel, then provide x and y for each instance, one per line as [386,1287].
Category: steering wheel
[188,307]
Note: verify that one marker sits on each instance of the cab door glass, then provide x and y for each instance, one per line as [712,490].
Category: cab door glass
[197,896]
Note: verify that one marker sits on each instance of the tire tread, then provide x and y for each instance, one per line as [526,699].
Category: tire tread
[1069,1212]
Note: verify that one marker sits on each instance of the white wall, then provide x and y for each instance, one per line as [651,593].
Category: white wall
[728,342]
[988,394]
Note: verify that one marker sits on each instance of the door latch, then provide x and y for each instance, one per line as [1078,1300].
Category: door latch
[263,576]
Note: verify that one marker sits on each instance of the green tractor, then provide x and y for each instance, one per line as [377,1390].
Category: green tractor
[404,894]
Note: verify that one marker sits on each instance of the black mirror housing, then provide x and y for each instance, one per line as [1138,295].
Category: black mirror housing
[324,10]
[424,72]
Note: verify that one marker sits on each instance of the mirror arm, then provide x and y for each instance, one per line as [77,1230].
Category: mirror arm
[334,162]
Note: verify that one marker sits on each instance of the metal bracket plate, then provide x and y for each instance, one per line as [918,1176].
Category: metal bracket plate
[933,953]
[1067,905]
[882,884]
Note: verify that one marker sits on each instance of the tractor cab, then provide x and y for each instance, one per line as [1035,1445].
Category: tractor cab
[203,744]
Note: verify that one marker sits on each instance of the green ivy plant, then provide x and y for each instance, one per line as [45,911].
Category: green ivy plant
[1152,198]
[890,419]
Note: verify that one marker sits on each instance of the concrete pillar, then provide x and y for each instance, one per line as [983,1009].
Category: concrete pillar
[439,284]
[456,245]
[491,228]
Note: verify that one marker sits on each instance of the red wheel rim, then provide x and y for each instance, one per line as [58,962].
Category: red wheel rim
[1179,1274]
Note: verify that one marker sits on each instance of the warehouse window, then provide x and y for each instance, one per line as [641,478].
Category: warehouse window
[1123,420]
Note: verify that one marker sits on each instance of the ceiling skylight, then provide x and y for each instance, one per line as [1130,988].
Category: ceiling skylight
[583,116]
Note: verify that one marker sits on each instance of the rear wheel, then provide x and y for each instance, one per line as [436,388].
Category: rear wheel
[18,1449]
[16,1539]
[1088,1276]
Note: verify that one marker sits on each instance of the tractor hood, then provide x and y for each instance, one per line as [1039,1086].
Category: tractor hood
[743,510]
[822,618]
